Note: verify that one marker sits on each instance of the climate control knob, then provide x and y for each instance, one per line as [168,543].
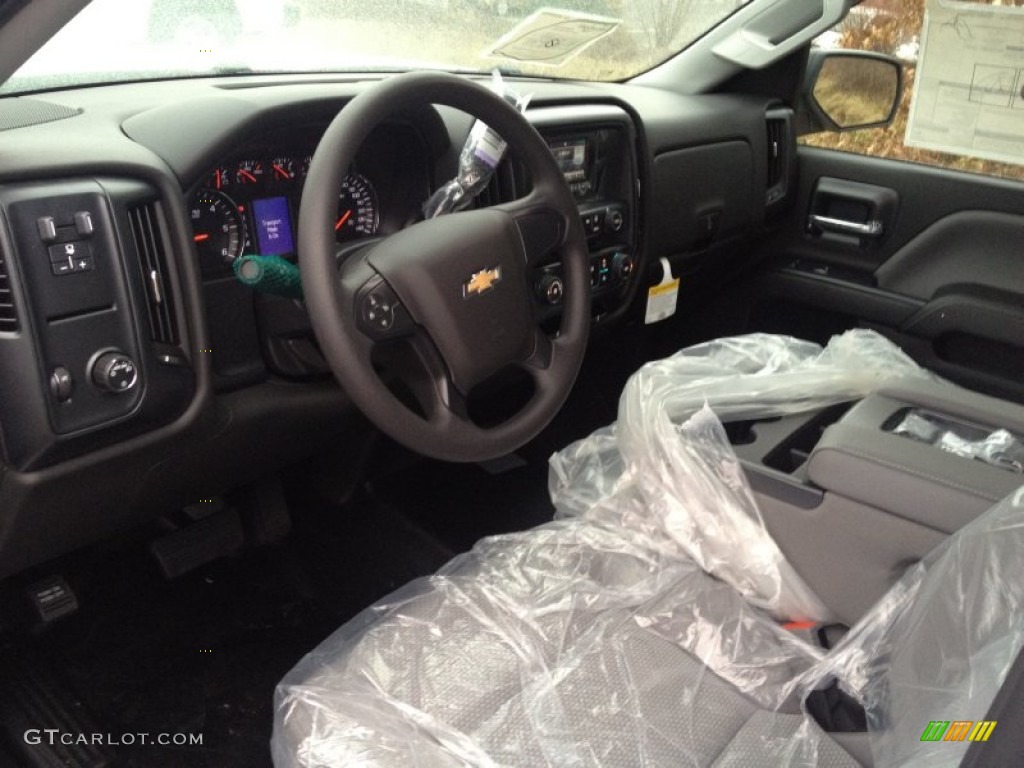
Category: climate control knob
[550,288]
[623,265]
[114,372]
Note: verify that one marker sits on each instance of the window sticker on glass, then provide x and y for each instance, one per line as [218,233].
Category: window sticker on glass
[969,90]
[552,37]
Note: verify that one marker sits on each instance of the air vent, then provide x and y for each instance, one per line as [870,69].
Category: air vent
[778,139]
[151,249]
[8,312]
[510,181]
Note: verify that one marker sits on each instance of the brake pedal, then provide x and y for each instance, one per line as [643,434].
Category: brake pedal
[211,538]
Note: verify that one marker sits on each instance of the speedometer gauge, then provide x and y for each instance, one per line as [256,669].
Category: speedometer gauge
[357,209]
[217,228]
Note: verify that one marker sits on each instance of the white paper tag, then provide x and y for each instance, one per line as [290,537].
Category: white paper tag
[490,147]
[663,297]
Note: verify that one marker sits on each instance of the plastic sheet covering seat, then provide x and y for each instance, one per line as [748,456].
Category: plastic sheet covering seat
[606,638]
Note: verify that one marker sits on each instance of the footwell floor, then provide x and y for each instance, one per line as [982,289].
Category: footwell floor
[201,654]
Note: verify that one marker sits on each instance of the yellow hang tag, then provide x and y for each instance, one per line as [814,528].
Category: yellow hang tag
[663,297]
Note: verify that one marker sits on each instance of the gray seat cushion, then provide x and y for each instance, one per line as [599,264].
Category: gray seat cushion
[570,644]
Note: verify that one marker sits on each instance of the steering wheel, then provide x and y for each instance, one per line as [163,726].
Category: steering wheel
[456,290]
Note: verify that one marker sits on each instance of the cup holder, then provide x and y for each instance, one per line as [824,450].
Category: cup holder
[742,432]
[793,452]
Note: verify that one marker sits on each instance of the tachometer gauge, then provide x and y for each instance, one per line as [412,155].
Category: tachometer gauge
[357,209]
[217,228]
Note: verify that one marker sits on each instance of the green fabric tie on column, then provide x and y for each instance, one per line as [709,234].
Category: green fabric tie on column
[270,274]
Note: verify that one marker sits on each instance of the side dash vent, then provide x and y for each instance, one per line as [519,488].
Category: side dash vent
[779,154]
[8,311]
[152,252]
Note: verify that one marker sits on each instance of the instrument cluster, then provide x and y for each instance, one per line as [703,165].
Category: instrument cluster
[249,202]
[251,206]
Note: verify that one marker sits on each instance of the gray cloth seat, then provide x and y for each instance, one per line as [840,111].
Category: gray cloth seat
[581,644]
[570,644]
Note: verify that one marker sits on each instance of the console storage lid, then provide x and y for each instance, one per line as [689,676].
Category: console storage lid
[864,458]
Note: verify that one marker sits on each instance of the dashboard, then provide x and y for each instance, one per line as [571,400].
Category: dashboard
[138,374]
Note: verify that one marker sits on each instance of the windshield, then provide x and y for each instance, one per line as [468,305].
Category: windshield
[114,40]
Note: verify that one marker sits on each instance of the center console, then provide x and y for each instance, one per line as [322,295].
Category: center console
[856,492]
[928,452]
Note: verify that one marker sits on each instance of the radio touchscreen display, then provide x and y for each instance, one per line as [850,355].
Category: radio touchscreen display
[571,156]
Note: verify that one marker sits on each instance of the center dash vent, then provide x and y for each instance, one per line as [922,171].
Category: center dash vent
[151,248]
[509,182]
[8,311]
[779,153]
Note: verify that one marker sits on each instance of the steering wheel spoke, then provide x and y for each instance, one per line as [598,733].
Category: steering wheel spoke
[542,229]
[543,354]
[435,392]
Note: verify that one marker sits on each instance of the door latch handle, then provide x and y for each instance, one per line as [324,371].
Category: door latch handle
[872,228]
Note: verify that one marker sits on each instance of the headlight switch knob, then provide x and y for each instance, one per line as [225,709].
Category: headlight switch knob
[114,372]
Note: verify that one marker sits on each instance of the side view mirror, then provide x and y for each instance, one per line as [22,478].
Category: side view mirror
[847,90]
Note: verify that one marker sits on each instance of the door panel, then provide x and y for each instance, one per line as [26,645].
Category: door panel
[932,258]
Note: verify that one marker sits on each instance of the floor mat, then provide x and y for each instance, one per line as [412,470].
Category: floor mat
[460,504]
[200,655]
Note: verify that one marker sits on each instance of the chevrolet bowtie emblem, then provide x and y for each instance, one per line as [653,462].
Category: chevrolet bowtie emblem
[481,282]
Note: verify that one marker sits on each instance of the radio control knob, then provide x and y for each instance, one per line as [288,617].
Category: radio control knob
[616,220]
[114,372]
[623,264]
[551,289]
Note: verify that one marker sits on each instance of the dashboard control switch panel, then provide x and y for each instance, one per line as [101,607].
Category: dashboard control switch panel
[85,367]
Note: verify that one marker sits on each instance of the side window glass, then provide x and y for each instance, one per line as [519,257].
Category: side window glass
[970,102]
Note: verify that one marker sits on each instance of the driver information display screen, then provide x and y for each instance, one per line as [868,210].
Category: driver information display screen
[273,226]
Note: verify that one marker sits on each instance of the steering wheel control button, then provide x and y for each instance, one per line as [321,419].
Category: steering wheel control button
[61,383]
[66,258]
[551,289]
[114,372]
[381,314]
